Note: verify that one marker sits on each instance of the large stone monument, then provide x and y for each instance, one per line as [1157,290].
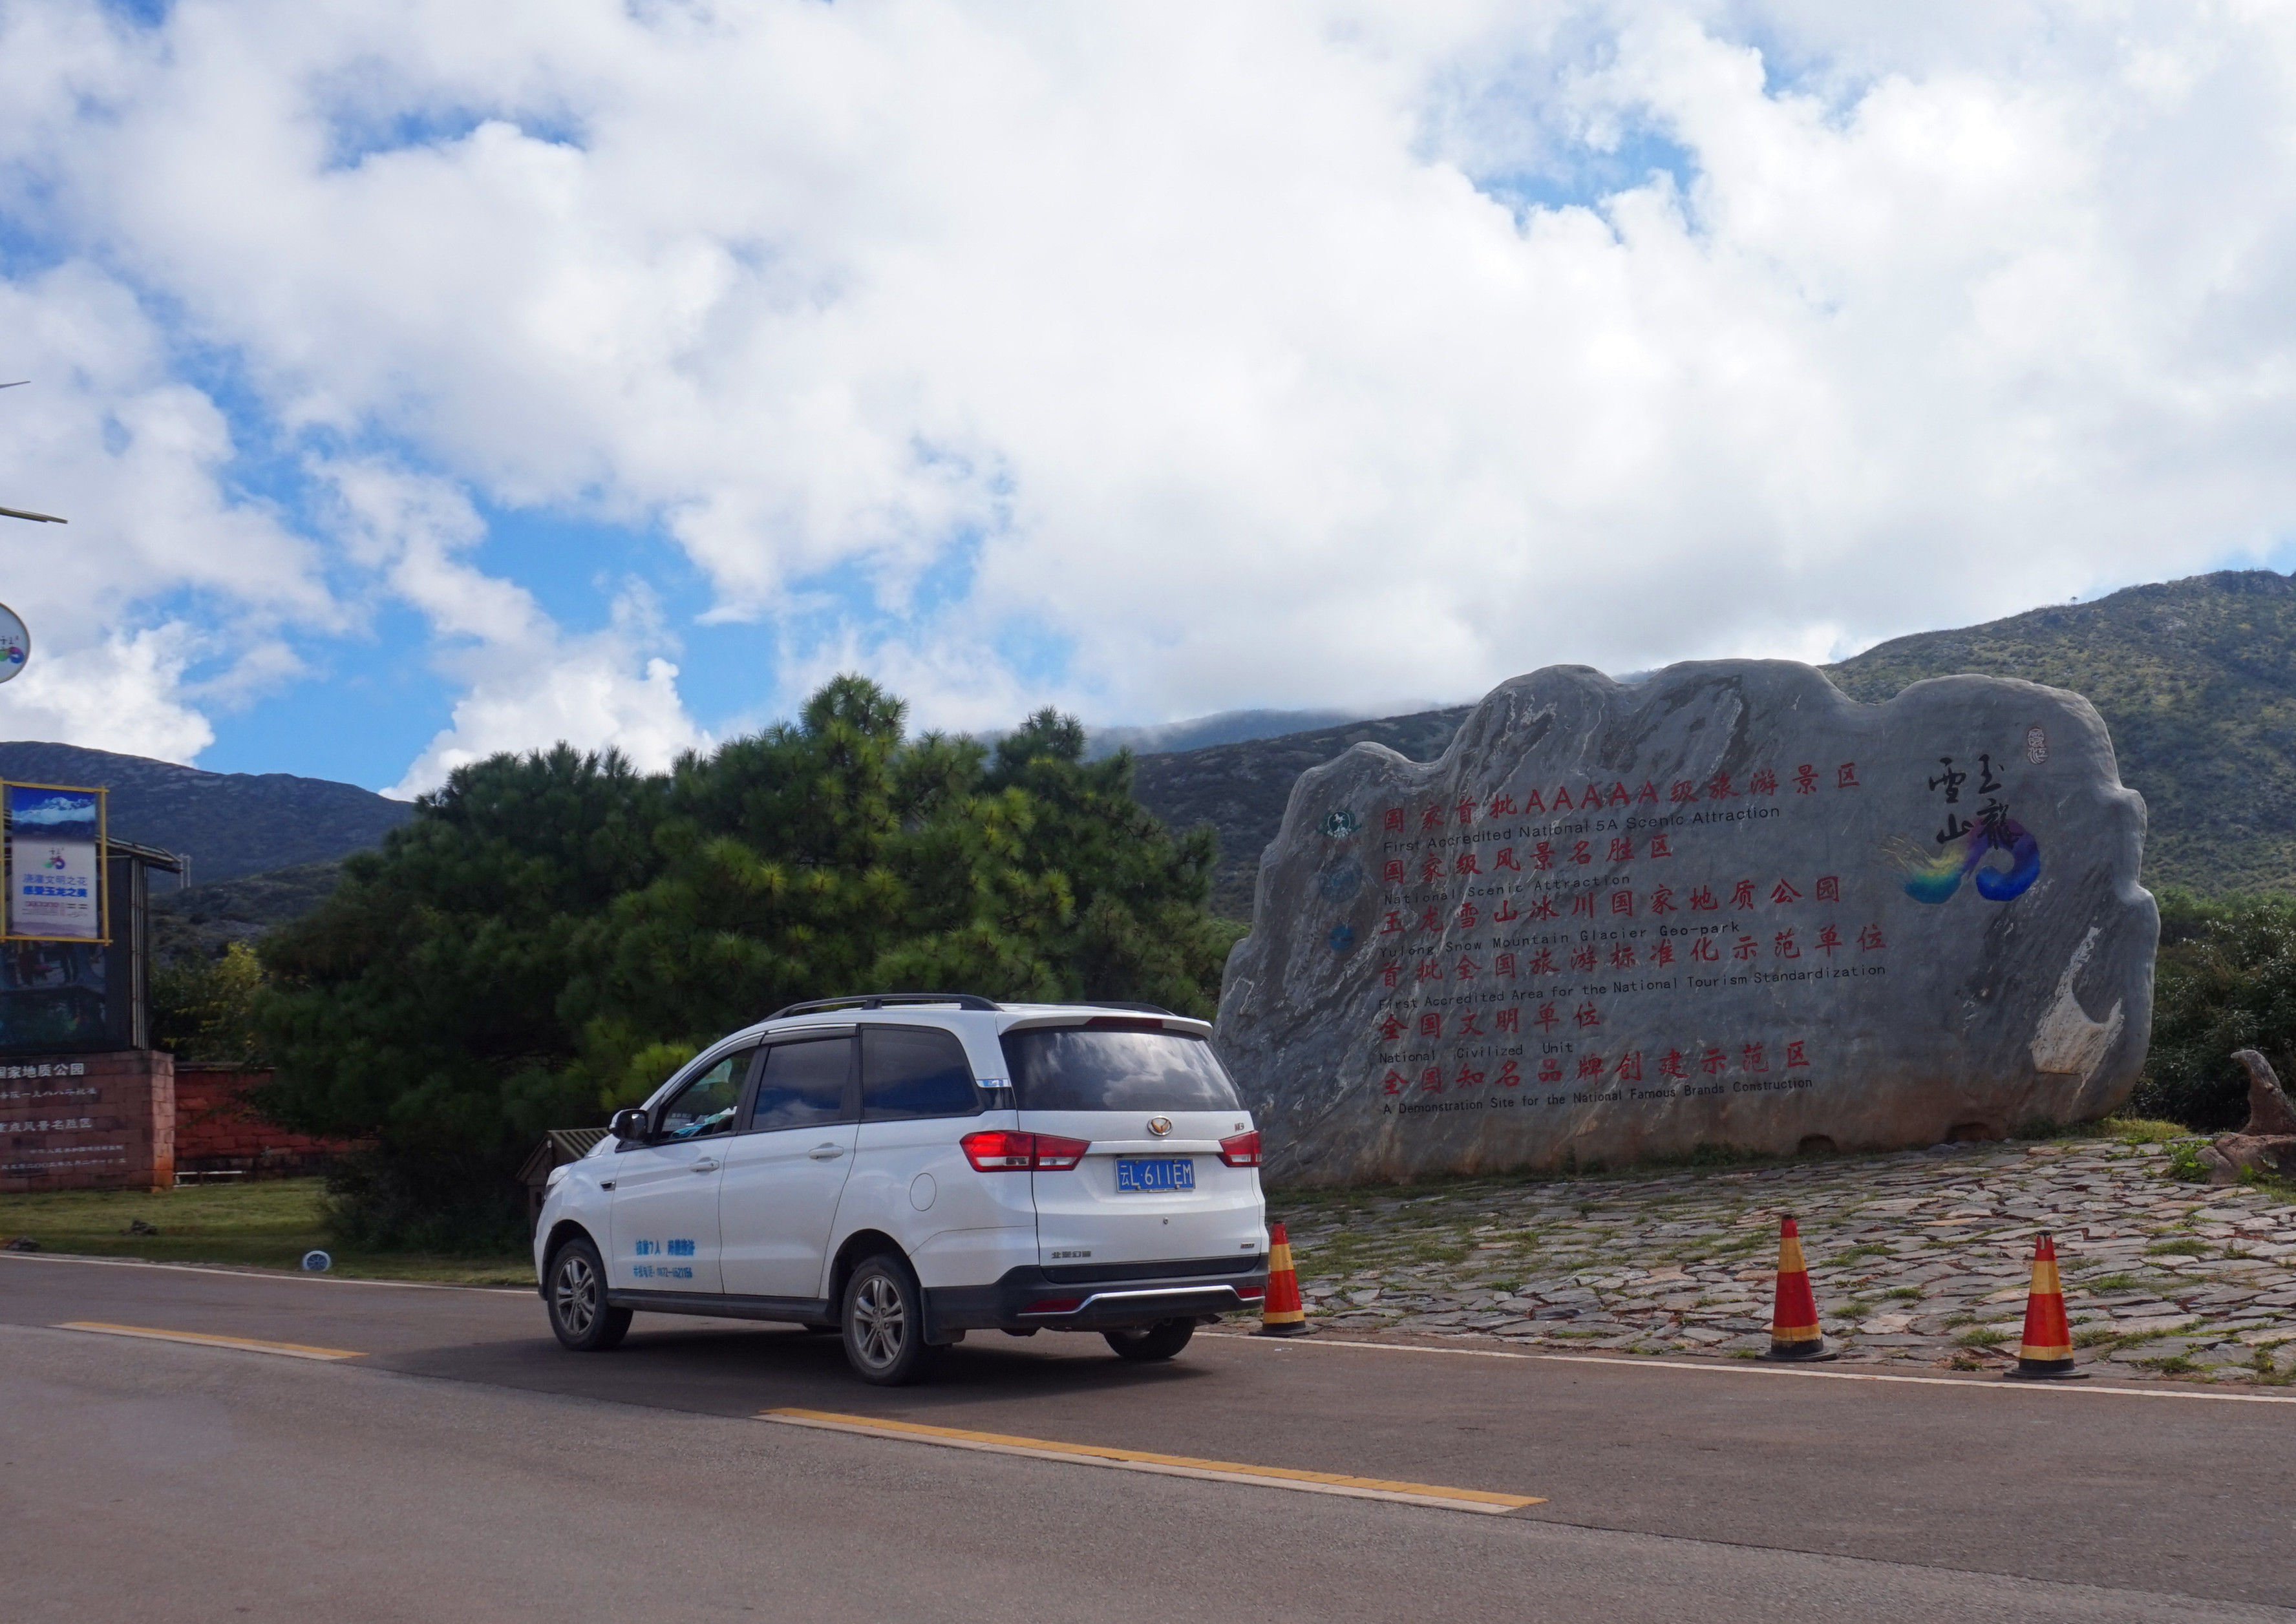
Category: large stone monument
[1726,906]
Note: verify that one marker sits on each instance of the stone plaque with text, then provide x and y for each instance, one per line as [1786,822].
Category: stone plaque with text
[1724,906]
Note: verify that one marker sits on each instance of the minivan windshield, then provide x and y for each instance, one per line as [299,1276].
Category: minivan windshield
[1098,1068]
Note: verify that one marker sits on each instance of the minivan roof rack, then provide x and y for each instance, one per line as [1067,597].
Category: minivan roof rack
[880,1000]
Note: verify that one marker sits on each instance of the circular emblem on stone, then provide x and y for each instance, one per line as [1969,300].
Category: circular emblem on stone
[2037,744]
[1160,1126]
[1343,938]
[1341,823]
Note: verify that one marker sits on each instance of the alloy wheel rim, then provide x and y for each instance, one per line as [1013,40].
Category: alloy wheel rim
[578,1295]
[879,1322]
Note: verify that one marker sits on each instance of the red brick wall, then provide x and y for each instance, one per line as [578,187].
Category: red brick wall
[88,1121]
[215,1126]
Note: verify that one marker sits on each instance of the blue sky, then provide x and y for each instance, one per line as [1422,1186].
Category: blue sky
[424,381]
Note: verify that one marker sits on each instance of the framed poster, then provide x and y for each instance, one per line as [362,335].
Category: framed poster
[55,863]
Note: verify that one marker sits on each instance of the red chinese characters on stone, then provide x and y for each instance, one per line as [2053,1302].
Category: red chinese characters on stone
[1622,851]
[1702,901]
[1829,888]
[1870,938]
[1550,1070]
[1506,859]
[1430,1025]
[1394,1082]
[1845,776]
[1630,1066]
[1669,1064]
[1546,1019]
[1392,872]
[1795,1055]
[1468,1027]
[1683,792]
[1591,1065]
[1783,892]
[1394,820]
[1663,954]
[1805,780]
[1504,965]
[1782,944]
[1508,1020]
[1703,950]
[1662,900]
[1465,863]
[1508,1076]
[1583,959]
[1745,949]
[1390,1027]
[1763,782]
[1659,848]
[1751,1058]
[1828,939]
[1622,956]
[1586,1016]
[1741,895]
[1623,902]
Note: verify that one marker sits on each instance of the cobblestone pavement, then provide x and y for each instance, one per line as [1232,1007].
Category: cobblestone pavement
[1923,1257]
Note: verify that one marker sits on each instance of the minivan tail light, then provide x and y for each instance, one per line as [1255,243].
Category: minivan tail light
[1004,1150]
[1241,1151]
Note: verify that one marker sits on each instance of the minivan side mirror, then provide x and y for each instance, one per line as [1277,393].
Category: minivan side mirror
[629,1126]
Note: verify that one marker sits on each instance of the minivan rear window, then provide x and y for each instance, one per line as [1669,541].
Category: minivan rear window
[1072,1068]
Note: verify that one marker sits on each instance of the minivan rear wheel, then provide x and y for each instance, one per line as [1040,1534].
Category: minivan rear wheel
[883,1321]
[1152,1342]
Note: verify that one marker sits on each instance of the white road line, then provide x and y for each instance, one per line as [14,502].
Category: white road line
[1999,1384]
[261,1274]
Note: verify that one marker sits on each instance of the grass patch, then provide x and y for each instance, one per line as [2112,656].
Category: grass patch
[2145,1130]
[2095,1336]
[1982,1336]
[2188,1249]
[2111,1285]
[2174,1365]
[264,1224]
[1855,1253]
[2185,1163]
[1904,1293]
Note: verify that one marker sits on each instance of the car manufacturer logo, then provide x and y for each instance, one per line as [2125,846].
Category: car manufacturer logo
[1160,1126]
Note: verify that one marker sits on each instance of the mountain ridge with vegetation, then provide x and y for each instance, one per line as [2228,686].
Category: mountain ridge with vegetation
[2196,679]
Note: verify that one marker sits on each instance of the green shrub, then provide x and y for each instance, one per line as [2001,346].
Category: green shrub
[2224,979]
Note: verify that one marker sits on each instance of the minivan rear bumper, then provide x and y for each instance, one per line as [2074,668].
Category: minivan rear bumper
[1029,1299]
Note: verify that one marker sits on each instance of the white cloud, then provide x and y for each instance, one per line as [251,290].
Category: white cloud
[527,683]
[1225,347]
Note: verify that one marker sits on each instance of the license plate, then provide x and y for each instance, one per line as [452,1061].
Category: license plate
[1147,1175]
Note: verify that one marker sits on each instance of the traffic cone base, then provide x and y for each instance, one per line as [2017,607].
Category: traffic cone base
[1281,1311]
[2046,1352]
[1795,1334]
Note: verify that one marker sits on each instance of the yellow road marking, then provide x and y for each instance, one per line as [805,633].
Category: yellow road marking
[292,1351]
[1167,1465]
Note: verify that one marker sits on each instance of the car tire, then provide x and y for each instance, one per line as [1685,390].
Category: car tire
[1149,1343]
[882,1319]
[576,1297]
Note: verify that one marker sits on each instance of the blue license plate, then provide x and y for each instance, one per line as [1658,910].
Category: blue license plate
[1148,1175]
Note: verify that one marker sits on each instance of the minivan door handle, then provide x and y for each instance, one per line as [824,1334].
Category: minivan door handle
[708,1164]
[825,1153]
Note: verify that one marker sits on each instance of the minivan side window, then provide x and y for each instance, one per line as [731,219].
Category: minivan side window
[910,1072]
[705,1106]
[803,1084]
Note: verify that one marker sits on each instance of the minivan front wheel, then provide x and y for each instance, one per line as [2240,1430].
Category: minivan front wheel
[1149,1343]
[578,1314]
[883,1320]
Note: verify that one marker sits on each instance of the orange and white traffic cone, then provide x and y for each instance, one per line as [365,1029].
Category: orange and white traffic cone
[1281,1312]
[1795,1334]
[2046,1352]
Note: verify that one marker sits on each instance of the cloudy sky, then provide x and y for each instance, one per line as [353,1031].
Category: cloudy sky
[427,379]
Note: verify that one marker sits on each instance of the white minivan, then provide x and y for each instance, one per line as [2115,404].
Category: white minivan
[905,1167]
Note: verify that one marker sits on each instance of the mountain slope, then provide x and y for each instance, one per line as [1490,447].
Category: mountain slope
[229,824]
[2197,679]
[1240,789]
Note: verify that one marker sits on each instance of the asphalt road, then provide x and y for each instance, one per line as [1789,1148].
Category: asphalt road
[464,1467]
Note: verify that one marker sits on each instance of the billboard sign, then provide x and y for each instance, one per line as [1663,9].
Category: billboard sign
[55,863]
